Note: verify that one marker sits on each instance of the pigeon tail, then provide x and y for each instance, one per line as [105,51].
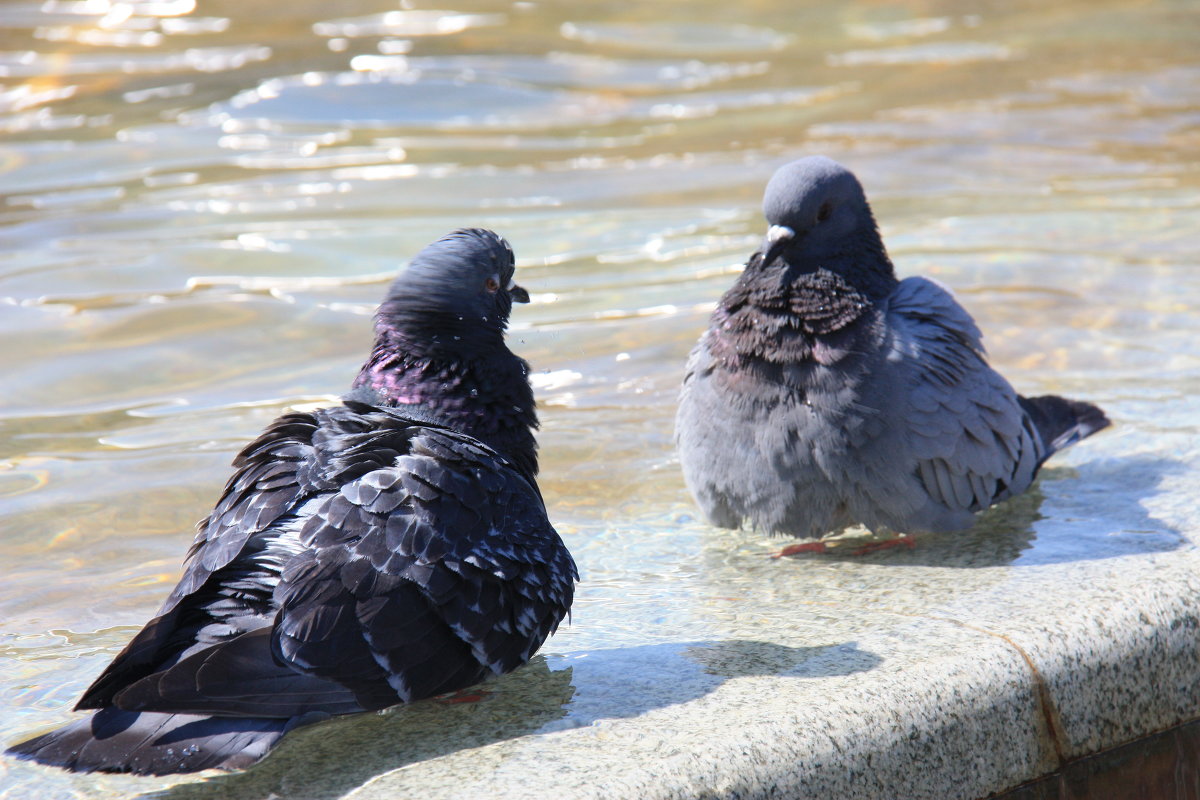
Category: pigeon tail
[1062,422]
[147,743]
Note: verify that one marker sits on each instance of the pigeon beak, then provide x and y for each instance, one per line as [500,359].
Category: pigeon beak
[517,293]
[778,237]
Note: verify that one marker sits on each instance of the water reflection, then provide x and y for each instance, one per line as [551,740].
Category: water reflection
[428,22]
[1095,512]
[691,38]
[200,205]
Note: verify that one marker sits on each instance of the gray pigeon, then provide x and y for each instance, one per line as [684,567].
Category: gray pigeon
[376,552]
[826,393]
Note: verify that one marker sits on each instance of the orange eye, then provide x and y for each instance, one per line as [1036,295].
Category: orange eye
[492,284]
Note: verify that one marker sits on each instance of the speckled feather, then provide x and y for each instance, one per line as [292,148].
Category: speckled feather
[825,393]
[372,553]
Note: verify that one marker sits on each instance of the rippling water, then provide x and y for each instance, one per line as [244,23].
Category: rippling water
[203,202]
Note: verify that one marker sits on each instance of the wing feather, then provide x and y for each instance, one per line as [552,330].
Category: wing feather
[454,567]
[963,423]
[274,475]
[356,559]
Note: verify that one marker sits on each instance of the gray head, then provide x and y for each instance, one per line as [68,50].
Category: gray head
[458,289]
[820,218]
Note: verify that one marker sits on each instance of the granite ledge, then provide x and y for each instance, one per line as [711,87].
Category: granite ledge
[962,699]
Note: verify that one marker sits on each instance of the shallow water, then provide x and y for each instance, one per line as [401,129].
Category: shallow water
[202,204]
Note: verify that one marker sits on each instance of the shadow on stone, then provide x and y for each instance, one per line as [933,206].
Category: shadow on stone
[329,759]
[742,659]
[555,692]
[628,681]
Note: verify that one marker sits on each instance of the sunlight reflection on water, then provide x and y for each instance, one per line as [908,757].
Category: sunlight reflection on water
[200,212]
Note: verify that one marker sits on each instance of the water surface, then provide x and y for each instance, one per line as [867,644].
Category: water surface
[201,204]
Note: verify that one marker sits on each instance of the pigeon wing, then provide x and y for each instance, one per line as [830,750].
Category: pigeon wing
[962,423]
[441,568]
[238,677]
[432,569]
[274,474]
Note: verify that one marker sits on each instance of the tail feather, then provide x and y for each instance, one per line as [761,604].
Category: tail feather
[1062,422]
[148,743]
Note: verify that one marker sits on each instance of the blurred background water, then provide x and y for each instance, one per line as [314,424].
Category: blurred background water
[202,202]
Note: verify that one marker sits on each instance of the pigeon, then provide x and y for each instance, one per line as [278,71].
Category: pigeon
[826,394]
[387,549]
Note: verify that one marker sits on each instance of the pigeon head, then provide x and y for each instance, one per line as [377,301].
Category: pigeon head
[439,345]
[820,219]
[457,293]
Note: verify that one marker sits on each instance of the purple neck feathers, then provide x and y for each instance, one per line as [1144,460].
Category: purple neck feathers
[486,395]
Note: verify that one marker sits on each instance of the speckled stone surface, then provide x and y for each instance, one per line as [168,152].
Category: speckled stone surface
[958,669]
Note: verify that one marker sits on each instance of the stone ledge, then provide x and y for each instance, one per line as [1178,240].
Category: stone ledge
[943,682]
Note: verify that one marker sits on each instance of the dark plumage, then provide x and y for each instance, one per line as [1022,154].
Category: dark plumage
[377,552]
[825,393]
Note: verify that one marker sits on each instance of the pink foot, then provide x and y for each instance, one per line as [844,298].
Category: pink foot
[462,696]
[903,539]
[807,547]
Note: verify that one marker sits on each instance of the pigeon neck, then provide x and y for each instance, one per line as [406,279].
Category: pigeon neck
[816,302]
[870,274]
[425,326]
[806,319]
[488,397]
[859,259]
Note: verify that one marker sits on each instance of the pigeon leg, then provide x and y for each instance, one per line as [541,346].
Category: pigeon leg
[900,540]
[472,694]
[805,547]
[882,539]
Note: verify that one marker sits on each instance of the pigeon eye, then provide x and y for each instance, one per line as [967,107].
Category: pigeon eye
[824,212]
[492,284]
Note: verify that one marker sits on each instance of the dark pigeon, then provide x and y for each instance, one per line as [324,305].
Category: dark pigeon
[826,393]
[377,552]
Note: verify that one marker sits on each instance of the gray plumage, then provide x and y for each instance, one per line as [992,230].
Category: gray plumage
[826,393]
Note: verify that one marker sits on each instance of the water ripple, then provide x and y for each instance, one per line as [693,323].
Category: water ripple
[936,53]
[203,204]
[406,23]
[569,70]
[29,63]
[692,38]
[410,99]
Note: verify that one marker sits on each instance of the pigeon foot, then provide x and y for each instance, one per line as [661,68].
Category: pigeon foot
[843,543]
